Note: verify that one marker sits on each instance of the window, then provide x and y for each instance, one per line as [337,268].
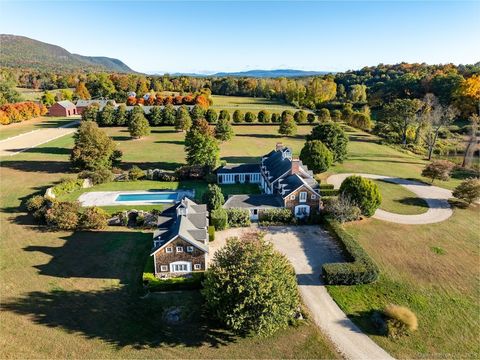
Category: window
[197,267]
[314,197]
[169,250]
[179,248]
[292,197]
[156,243]
[189,248]
[303,196]
[255,211]
[181,266]
[164,268]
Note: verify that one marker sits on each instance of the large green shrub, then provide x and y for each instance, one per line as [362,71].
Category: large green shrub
[213,197]
[93,218]
[316,156]
[135,173]
[363,193]
[238,217]
[360,270]
[468,190]
[193,282]
[219,219]
[250,287]
[280,216]
[334,138]
[63,215]
[99,176]
[211,233]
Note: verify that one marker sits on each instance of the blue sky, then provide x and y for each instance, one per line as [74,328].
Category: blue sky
[201,36]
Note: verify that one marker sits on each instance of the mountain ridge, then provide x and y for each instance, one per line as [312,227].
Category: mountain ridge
[257,73]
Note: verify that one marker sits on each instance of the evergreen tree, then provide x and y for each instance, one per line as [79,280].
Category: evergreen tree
[138,125]
[90,113]
[121,116]
[224,114]
[288,127]
[211,116]
[183,121]
[334,138]
[223,130]
[250,117]
[213,197]
[106,117]
[197,112]
[155,117]
[168,115]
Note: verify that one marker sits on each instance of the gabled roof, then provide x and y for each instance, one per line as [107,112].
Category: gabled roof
[66,104]
[239,169]
[294,182]
[260,201]
[101,103]
[277,164]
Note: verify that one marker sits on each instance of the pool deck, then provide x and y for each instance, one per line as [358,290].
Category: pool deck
[108,198]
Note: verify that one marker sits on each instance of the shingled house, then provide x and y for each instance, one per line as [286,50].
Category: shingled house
[285,182]
[180,243]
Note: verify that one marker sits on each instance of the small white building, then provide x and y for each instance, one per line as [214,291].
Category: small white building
[239,174]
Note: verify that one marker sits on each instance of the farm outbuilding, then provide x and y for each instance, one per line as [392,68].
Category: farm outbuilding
[63,108]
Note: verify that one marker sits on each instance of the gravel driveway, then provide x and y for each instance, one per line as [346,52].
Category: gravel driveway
[307,248]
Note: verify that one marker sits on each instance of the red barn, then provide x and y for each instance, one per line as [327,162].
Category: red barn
[63,108]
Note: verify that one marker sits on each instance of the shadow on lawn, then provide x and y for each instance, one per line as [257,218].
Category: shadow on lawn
[50,167]
[413,201]
[162,165]
[272,136]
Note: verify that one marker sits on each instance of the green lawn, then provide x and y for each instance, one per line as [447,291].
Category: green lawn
[7,131]
[35,94]
[243,103]
[399,200]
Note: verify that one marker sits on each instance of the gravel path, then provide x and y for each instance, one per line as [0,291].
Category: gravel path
[307,248]
[23,142]
[436,198]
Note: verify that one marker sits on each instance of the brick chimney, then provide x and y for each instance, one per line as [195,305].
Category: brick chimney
[295,166]
[279,146]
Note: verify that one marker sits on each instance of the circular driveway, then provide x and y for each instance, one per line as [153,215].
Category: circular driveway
[436,198]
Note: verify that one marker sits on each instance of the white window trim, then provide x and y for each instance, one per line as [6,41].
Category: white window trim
[188,266]
[314,197]
[189,249]
[292,197]
[197,267]
[303,196]
[163,268]
[179,249]
[169,250]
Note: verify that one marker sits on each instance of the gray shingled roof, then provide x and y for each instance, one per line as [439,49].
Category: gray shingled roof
[293,182]
[66,104]
[239,169]
[101,103]
[260,201]
[276,164]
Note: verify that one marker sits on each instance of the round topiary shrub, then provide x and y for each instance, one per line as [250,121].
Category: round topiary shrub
[363,193]
[316,156]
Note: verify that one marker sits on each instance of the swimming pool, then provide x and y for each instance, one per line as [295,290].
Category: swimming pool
[148,197]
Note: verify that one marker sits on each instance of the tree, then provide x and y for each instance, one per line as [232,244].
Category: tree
[336,115]
[183,121]
[201,148]
[360,121]
[276,118]
[396,118]
[238,116]
[211,116]
[224,114]
[93,149]
[197,112]
[48,99]
[106,117]
[250,117]
[213,197]
[138,125]
[135,173]
[433,117]
[468,190]
[121,115]
[81,91]
[358,93]
[472,141]
[288,127]
[90,113]
[93,218]
[219,219]
[264,116]
[300,117]
[155,116]
[169,115]
[324,115]
[316,156]
[251,287]
[334,138]
[311,118]
[363,193]
[438,169]
[223,130]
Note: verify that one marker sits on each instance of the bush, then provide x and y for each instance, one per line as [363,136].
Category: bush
[238,217]
[93,218]
[311,118]
[342,209]
[218,219]
[264,116]
[276,217]
[361,269]
[329,192]
[300,117]
[63,215]
[364,193]
[191,172]
[250,117]
[400,320]
[211,233]
[360,121]
[67,186]
[35,203]
[438,169]
[213,197]
[193,282]
[333,137]
[468,190]
[316,156]
[251,287]
[99,176]
[135,173]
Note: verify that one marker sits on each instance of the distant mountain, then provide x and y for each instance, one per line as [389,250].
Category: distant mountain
[22,52]
[271,73]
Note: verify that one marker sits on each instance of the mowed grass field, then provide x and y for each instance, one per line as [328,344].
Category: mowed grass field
[431,268]
[76,295]
[232,103]
[43,122]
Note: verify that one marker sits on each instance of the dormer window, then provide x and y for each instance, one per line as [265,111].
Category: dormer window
[287,154]
[181,210]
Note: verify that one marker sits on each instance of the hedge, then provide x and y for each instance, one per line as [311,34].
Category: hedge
[329,192]
[211,233]
[238,217]
[361,270]
[276,217]
[326,186]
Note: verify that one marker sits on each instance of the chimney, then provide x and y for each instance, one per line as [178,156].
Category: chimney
[279,146]
[295,166]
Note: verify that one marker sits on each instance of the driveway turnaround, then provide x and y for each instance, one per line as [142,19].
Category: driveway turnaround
[436,198]
[23,142]
[308,248]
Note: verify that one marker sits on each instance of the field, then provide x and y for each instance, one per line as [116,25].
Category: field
[35,94]
[90,278]
[7,131]
[232,103]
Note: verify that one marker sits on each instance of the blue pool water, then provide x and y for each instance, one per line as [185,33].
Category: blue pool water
[149,197]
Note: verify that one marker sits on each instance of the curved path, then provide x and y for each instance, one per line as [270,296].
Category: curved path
[436,198]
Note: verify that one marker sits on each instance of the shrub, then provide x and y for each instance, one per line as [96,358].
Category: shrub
[191,172]
[300,117]
[250,117]
[287,127]
[438,169]
[211,233]
[324,115]
[213,197]
[93,218]
[238,217]
[361,269]
[63,215]
[361,121]
[311,118]
[67,186]
[99,176]
[218,219]
[364,193]
[334,138]
[342,209]
[238,116]
[138,125]
[280,216]
[328,192]
[264,116]
[35,203]
[400,320]
[251,287]
[135,173]
[193,282]
[468,190]
[316,156]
